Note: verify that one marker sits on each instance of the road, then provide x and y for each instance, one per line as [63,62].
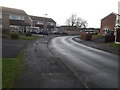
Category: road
[95,68]
[42,69]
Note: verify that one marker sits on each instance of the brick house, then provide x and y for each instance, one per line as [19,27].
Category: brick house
[117,30]
[47,24]
[15,20]
[71,30]
[90,30]
[109,23]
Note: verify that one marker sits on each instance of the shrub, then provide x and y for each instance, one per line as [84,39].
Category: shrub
[14,35]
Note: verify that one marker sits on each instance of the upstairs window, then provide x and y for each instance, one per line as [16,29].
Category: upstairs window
[50,23]
[16,17]
[39,22]
[118,21]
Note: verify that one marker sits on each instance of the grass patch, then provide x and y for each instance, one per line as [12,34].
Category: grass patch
[24,37]
[97,36]
[21,36]
[115,45]
[11,67]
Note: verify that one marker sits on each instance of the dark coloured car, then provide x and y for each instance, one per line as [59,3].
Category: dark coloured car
[28,34]
[64,33]
[45,33]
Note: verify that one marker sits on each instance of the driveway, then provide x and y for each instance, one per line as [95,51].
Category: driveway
[96,68]
[44,70]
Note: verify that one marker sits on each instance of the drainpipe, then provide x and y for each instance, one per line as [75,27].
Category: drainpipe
[115,34]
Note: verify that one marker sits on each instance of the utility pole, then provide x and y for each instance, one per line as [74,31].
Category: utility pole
[44,24]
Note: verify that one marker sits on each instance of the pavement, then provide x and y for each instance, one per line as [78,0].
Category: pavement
[42,69]
[98,44]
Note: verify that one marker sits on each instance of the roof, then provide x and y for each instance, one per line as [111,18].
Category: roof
[6,10]
[68,26]
[37,18]
[109,15]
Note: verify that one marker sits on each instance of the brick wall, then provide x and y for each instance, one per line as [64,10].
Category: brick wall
[5,21]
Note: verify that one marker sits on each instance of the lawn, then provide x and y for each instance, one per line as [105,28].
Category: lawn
[115,45]
[24,37]
[21,36]
[11,67]
[97,36]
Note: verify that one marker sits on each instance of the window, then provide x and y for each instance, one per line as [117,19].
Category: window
[16,17]
[50,23]
[15,28]
[118,21]
[39,22]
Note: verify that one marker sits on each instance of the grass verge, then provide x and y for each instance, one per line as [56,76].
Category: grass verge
[11,67]
[24,37]
[97,36]
[21,36]
[115,45]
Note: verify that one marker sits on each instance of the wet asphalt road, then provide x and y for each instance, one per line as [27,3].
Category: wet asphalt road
[96,68]
[44,70]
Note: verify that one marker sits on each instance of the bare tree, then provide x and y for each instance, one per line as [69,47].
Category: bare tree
[76,21]
[71,20]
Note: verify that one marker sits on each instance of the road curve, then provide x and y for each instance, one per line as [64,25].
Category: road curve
[95,68]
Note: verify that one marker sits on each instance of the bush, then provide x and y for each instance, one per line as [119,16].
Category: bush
[14,35]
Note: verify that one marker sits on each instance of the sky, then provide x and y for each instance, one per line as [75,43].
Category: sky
[90,10]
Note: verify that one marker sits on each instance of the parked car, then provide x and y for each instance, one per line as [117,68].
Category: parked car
[28,34]
[45,32]
[58,32]
[64,33]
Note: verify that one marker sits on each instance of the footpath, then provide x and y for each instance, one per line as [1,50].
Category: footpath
[98,44]
[43,70]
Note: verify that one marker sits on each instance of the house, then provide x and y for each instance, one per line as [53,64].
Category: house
[109,24]
[90,30]
[15,20]
[43,23]
[71,30]
[117,30]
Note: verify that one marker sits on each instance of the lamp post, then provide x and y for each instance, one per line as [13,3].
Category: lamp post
[44,25]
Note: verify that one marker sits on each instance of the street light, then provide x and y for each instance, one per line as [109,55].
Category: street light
[43,24]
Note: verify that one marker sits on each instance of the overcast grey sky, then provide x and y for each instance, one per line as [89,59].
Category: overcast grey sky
[91,10]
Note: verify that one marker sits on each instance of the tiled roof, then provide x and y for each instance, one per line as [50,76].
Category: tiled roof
[6,10]
[37,18]
[109,15]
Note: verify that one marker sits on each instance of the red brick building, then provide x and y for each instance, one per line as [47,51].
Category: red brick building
[71,30]
[18,21]
[110,25]
[47,24]
[107,24]
[15,20]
